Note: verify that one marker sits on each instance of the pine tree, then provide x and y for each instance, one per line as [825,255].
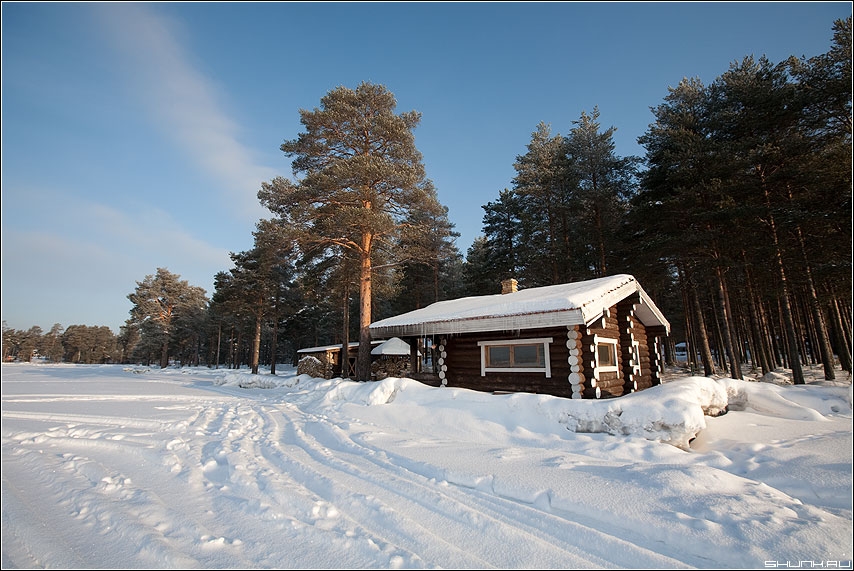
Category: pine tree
[361,174]
[51,345]
[29,343]
[88,345]
[427,246]
[542,184]
[503,223]
[165,308]
[823,197]
[604,182]
[259,278]
[478,274]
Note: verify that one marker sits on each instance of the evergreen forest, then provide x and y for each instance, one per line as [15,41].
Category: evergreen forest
[737,222]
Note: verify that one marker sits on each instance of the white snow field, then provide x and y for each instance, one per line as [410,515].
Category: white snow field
[129,467]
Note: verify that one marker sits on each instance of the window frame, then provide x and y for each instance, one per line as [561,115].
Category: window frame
[539,341]
[597,341]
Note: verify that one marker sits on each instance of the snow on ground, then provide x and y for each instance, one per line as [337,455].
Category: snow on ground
[133,467]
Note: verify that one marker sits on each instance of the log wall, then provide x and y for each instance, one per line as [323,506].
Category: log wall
[572,357]
[459,364]
[602,384]
[656,337]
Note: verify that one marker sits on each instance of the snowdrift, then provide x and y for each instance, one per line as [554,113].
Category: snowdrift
[673,412]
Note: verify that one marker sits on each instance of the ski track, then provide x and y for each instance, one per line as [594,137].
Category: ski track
[308,486]
[462,510]
[217,480]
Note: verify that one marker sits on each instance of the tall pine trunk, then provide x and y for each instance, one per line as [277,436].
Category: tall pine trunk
[275,341]
[815,307]
[705,349]
[785,302]
[345,334]
[218,343]
[690,351]
[843,347]
[164,354]
[363,362]
[759,353]
[256,344]
[727,325]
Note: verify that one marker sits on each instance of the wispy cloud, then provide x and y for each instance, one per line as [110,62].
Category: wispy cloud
[184,103]
[77,261]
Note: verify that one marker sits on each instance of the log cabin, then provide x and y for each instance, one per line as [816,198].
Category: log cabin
[593,339]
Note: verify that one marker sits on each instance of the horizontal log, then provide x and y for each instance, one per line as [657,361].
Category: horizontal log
[611,392]
[572,353]
[511,384]
[611,384]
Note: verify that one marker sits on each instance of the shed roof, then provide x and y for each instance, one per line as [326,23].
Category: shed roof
[333,348]
[393,347]
[577,303]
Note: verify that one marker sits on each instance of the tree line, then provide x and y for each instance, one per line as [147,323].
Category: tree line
[76,344]
[737,221]
[738,218]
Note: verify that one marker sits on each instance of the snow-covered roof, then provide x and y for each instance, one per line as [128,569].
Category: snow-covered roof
[323,348]
[392,347]
[577,303]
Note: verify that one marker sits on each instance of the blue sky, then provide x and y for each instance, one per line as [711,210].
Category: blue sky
[136,136]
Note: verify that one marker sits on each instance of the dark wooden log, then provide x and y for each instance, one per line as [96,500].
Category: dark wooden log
[464,364]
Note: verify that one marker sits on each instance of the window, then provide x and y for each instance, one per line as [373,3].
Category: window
[606,355]
[528,356]
[515,356]
[499,356]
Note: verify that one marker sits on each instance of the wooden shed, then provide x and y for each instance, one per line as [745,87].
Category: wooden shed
[593,339]
[392,358]
[325,361]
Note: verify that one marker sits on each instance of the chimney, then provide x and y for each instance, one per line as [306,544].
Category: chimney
[509,286]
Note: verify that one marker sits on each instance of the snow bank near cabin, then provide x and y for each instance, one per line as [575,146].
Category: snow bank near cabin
[673,412]
[246,380]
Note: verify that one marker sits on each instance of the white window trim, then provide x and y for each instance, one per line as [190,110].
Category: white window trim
[601,368]
[544,341]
